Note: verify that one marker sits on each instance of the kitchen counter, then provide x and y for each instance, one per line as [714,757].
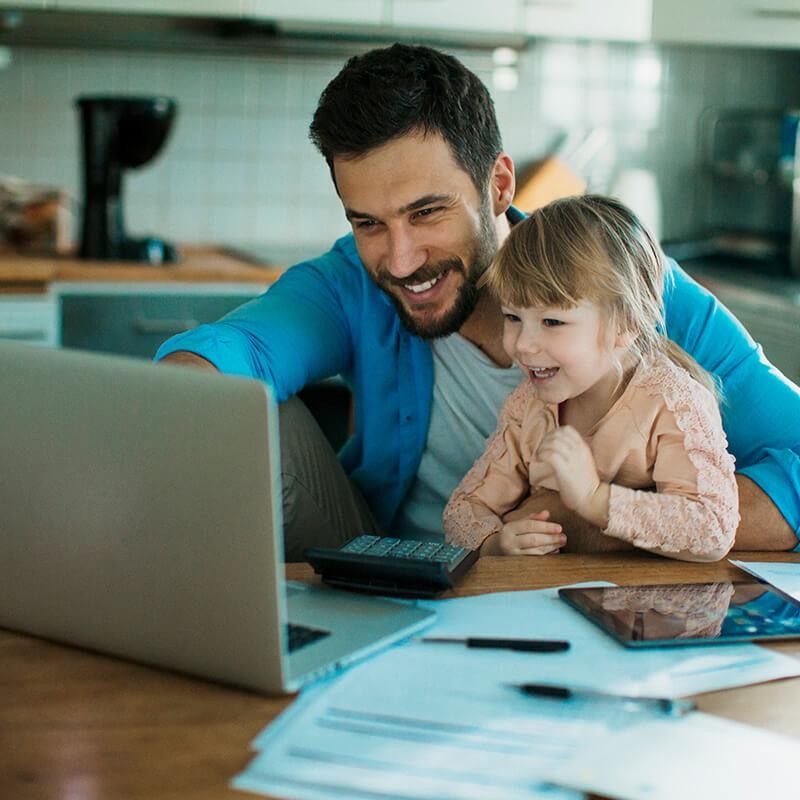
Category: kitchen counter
[764,300]
[31,274]
[746,280]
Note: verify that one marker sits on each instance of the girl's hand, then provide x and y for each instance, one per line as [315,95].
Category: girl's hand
[566,452]
[526,537]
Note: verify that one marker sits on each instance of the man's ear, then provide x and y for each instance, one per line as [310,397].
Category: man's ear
[502,184]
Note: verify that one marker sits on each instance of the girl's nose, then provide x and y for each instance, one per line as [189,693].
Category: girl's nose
[528,343]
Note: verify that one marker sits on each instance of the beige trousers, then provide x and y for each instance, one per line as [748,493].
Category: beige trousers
[322,507]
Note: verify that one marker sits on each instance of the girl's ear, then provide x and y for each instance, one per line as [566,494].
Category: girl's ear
[625,339]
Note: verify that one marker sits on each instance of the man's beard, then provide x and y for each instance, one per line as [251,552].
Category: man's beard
[483,251]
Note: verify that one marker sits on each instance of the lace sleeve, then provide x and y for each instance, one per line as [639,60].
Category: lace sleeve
[497,481]
[694,512]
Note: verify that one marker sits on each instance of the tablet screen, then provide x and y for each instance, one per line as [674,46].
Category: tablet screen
[683,614]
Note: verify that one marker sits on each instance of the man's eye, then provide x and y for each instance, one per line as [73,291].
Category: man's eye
[551,323]
[426,212]
[365,224]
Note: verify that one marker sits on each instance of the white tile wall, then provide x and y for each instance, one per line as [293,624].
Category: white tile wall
[238,166]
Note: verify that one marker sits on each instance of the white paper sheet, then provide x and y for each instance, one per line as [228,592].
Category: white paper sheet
[337,752]
[595,660]
[430,720]
[695,756]
[784,576]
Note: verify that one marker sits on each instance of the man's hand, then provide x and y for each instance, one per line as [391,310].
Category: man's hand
[568,455]
[534,536]
[187,359]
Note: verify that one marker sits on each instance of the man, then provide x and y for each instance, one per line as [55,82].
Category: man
[415,154]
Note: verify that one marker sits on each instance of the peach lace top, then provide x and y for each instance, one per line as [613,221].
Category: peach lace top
[661,447]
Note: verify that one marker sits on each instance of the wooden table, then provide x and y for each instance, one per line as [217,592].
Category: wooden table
[76,725]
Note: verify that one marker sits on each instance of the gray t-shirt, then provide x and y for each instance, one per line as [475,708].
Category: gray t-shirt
[468,391]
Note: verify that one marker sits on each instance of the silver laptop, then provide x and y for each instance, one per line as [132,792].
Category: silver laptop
[140,516]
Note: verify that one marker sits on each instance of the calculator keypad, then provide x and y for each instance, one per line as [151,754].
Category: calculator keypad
[391,547]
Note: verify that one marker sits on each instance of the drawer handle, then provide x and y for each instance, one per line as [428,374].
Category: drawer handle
[163,327]
[778,13]
[25,336]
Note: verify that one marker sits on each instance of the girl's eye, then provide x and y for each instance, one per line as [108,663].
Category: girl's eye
[551,323]
[509,317]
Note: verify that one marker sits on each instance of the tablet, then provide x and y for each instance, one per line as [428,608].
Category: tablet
[689,613]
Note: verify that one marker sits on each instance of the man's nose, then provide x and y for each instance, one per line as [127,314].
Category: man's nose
[404,254]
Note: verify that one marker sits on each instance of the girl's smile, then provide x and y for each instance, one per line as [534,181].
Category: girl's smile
[542,374]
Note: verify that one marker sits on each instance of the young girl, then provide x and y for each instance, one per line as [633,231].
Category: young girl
[611,414]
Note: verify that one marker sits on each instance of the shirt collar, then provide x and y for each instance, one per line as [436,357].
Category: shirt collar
[514,215]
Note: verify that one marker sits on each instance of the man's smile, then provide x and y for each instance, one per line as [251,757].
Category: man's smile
[418,288]
[424,291]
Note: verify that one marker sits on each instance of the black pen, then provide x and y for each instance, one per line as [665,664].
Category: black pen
[664,705]
[523,645]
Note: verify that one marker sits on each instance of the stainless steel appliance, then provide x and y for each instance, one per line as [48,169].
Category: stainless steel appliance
[790,162]
[748,193]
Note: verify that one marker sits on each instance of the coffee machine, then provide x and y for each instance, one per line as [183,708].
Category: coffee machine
[119,133]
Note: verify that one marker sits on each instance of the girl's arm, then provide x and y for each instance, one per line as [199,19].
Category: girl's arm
[498,480]
[693,513]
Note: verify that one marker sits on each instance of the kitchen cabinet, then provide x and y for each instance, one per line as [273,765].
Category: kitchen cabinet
[34,319]
[509,21]
[196,8]
[360,13]
[130,320]
[20,4]
[122,307]
[500,16]
[134,320]
[759,23]
[612,20]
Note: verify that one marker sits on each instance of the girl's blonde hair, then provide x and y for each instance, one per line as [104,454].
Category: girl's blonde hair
[591,248]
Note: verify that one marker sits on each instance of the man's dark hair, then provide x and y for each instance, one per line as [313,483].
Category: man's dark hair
[387,93]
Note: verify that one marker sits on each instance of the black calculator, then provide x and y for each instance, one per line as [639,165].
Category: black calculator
[386,565]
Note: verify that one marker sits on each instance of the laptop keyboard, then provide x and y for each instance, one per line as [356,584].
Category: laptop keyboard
[389,547]
[301,635]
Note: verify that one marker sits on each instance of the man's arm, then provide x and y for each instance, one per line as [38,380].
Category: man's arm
[297,332]
[185,358]
[762,526]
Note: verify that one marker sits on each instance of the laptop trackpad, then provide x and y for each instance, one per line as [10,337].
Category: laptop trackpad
[358,625]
